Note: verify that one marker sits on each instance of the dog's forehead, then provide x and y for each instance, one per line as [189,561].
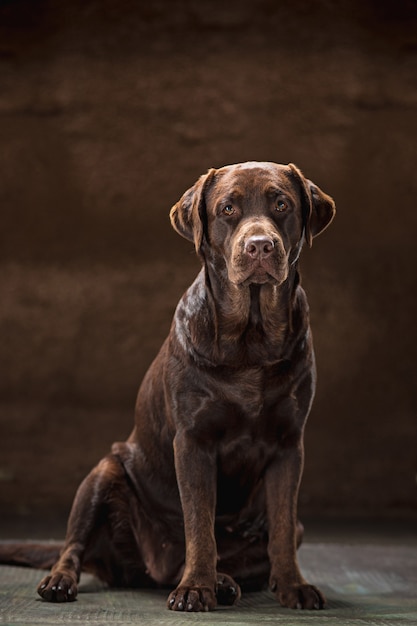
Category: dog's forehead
[253,176]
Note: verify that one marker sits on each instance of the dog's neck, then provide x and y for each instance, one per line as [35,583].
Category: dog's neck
[251,324]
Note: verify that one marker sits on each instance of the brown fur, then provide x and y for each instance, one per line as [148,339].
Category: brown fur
[203,494]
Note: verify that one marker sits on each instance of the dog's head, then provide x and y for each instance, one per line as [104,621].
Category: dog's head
[254,217]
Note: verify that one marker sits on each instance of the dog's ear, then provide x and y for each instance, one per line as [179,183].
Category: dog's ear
[188,215]
[318,208]
[323,212]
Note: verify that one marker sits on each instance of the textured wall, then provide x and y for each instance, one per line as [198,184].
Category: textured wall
[108,112]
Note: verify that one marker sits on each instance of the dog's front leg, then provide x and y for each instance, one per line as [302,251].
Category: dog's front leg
[196,476]
[282,483]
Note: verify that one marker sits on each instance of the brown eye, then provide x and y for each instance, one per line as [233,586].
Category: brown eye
[281,205]
[228,210]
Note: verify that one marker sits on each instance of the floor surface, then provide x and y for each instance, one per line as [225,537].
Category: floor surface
[365,580]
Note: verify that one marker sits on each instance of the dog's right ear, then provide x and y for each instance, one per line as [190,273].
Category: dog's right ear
[188,215]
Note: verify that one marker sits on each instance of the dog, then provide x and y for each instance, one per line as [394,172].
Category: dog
[203,494]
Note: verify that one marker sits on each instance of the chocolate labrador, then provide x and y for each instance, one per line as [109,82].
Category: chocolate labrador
[203,494]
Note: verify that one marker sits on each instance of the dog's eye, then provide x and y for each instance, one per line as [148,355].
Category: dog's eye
[281,205]
[228,210]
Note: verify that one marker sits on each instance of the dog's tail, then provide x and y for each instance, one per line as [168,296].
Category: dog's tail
[29,554]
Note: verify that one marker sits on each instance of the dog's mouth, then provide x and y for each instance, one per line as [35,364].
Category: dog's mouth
[259,274]
[259,277]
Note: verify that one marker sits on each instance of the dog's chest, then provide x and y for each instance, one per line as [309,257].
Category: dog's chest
[243,390]
[252,392]
[238,409]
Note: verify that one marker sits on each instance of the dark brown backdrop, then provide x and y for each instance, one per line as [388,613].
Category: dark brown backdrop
[108,112]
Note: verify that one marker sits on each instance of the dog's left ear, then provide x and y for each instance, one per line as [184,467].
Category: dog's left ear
[188,215]
[319,209]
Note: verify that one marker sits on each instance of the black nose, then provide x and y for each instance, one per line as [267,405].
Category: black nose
[259,246]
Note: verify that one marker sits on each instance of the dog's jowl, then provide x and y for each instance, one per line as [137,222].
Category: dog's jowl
[202,497]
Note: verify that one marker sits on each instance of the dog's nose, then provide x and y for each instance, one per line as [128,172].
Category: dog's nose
[259,246]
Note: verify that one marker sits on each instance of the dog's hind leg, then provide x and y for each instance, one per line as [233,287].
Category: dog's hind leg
[89,533]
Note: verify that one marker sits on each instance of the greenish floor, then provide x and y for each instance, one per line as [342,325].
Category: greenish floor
[367,579]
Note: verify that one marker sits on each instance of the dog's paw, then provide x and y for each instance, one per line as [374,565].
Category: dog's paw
[195,598]
[58,587]
[300,597]
[227,590]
